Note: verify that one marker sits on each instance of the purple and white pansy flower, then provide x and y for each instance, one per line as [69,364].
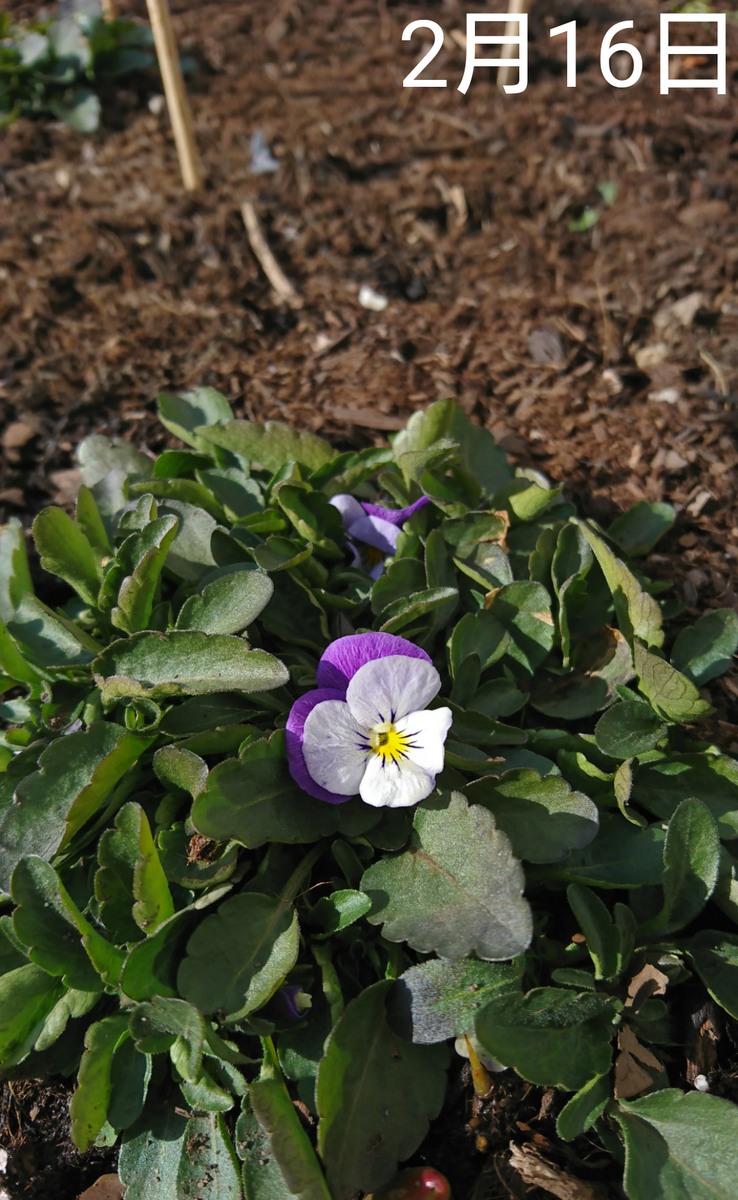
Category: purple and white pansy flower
[372,531]
[366,729]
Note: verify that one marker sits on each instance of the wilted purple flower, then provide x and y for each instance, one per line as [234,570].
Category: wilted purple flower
[366,727]
[293,1001]
[371,526]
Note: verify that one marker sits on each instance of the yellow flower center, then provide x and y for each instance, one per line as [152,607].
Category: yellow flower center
[388,742]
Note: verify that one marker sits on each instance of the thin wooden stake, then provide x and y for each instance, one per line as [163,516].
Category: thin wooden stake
[174,90]
[271,268]
[108,9]
[515,7]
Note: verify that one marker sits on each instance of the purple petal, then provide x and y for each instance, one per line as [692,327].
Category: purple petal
[395,516]
[344,657]
[287,999]
[375,532]
[293,737]
[349,508]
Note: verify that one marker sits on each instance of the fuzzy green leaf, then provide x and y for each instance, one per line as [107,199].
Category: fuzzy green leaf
[679,1146]
[15,578]
[542,816]
[629,728]
[691,862]
[65,551]
[672,695]
[272,444]
[237,957]
[638,613]
[44,924]
[715,956]
[604,942]
[97,455]
[439,999]
[184,663]
[457,889]
[27,996]
[229,604]
[183,412]
[661,785]
[376,1094]
[706,649]
[76,775]
[551,1036]
[638,530]
[89,1106]
[288,1142]
[186,1158]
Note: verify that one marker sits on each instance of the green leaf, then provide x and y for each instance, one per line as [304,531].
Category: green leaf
[272,445]
[81,112]
[467,532]
[89,1105]
[340,909]
[27,996]
[480,454]
[404,612]
[638,613]
[524,610]
[181,769]
[238,957]
[401,578]
[543,818]
[288,1142]
[130,1074]
[376,1094]
[603,662]
[184,663]
[188,491]
[424,428]
[629,728]
[481,634]
[525,499]
[262,1178]
[551,1036]
[44,924]
[187,1158]
[439,999]
[313,517]
[691,862]
[47,639]
[183,412]
[65,551]
[155,1026]
[254,800]
[442,894]
[679,1146]
[149,887]
[638,530]
[229,604]
[87,516]
[715,956]
[190,554]
[98,455]
[76,775]
[207,712]
[15,578]
[72,1005]
[604,942]
[134,575]
[672,695]
[621,856]
[281,554]
[240,495]
[660,787]
[581,1112]
[174,853]
[151,966]
[705,650]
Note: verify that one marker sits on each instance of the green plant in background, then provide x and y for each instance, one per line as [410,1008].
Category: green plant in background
[52,65]
[198,940]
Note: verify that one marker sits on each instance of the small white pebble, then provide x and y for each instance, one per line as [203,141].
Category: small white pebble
[701,1083]
[665,396]
[368,298]
[62,178]
[156,105]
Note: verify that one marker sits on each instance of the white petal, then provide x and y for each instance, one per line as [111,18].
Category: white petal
[394,784]
[386,689]
[335,748]
[427,732]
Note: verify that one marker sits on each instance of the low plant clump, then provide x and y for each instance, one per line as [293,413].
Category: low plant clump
[332,762]
[54,65]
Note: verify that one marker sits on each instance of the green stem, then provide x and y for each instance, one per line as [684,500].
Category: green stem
[292,886]
[331,986]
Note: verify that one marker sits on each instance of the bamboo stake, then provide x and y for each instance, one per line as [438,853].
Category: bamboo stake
[108,9]
[174,90]
[515,7]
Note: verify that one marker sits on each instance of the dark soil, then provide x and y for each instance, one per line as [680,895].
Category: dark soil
[114,285]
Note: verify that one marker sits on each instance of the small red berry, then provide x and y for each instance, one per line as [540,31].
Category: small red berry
[416,1183]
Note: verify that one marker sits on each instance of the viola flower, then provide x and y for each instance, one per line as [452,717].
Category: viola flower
[372,531]
[366,727]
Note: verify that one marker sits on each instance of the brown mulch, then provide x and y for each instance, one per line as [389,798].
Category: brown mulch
[607,358]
